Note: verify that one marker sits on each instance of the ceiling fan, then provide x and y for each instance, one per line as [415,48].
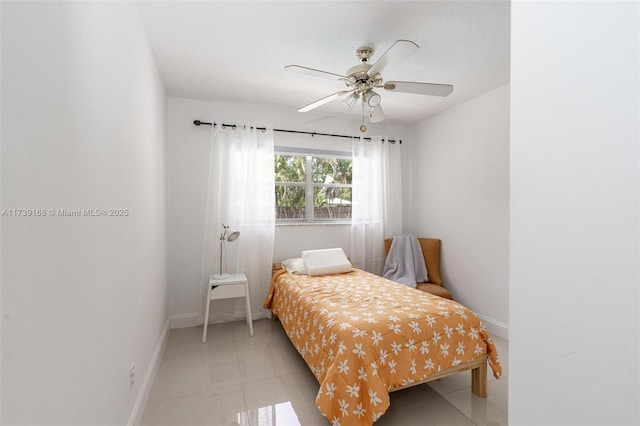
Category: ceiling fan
[361,79]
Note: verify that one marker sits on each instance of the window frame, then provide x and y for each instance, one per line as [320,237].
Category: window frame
[309,185]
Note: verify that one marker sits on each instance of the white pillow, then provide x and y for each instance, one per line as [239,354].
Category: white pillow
[326,261]
[295,265]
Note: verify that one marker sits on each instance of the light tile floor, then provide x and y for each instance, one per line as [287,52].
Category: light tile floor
[235,379]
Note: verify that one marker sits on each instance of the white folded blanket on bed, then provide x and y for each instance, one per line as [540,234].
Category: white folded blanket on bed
[405,261]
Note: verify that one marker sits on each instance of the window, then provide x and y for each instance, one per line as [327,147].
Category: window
[312,187]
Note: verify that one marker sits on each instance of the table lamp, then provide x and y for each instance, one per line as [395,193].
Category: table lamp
[226,235]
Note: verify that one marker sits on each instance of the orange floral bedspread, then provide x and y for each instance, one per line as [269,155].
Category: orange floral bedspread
[362,336]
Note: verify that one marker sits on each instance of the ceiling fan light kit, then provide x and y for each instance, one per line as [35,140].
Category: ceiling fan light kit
[350,101]
[361,79]
[372,98]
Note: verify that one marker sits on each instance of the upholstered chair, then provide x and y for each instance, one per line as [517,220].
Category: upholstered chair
[431,252]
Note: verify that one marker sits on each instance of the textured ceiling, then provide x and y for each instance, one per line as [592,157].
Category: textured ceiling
[236,51]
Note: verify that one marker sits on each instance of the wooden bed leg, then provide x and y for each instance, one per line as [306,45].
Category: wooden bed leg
[273,316]
[479,380]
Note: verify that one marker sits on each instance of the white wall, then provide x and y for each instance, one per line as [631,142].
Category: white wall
[575,218]
[458,185]
[187,174]
[83,127]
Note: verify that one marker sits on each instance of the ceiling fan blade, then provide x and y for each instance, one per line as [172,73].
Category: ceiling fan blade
[324,100]
[398,52]
[312,71]
[377,114]
[419,88]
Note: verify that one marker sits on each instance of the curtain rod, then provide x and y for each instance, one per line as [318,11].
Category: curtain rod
[233,126]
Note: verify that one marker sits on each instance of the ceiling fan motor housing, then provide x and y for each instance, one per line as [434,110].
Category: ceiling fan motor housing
[360,80]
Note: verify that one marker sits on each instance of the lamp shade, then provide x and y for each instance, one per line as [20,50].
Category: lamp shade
[350,101]
[372,98]
[234,235]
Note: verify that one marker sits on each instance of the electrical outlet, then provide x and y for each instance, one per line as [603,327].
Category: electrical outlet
[132,374]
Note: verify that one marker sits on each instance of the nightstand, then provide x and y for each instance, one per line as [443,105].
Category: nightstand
[235,285]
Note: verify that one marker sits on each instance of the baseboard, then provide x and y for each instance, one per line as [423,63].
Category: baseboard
[496,328]
[260,315]
[194,319]
[143,396]
[186,320]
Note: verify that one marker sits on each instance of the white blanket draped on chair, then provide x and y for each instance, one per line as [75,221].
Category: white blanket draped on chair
[405,262]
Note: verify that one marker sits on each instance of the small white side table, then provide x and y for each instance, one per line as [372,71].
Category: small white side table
[235,285]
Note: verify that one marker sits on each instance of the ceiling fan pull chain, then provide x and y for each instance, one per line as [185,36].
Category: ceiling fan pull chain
[363,128]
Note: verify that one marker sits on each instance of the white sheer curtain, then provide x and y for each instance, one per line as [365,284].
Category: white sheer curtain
[240,194]
[376,200]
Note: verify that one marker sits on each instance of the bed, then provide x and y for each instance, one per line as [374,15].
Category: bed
[364,336]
